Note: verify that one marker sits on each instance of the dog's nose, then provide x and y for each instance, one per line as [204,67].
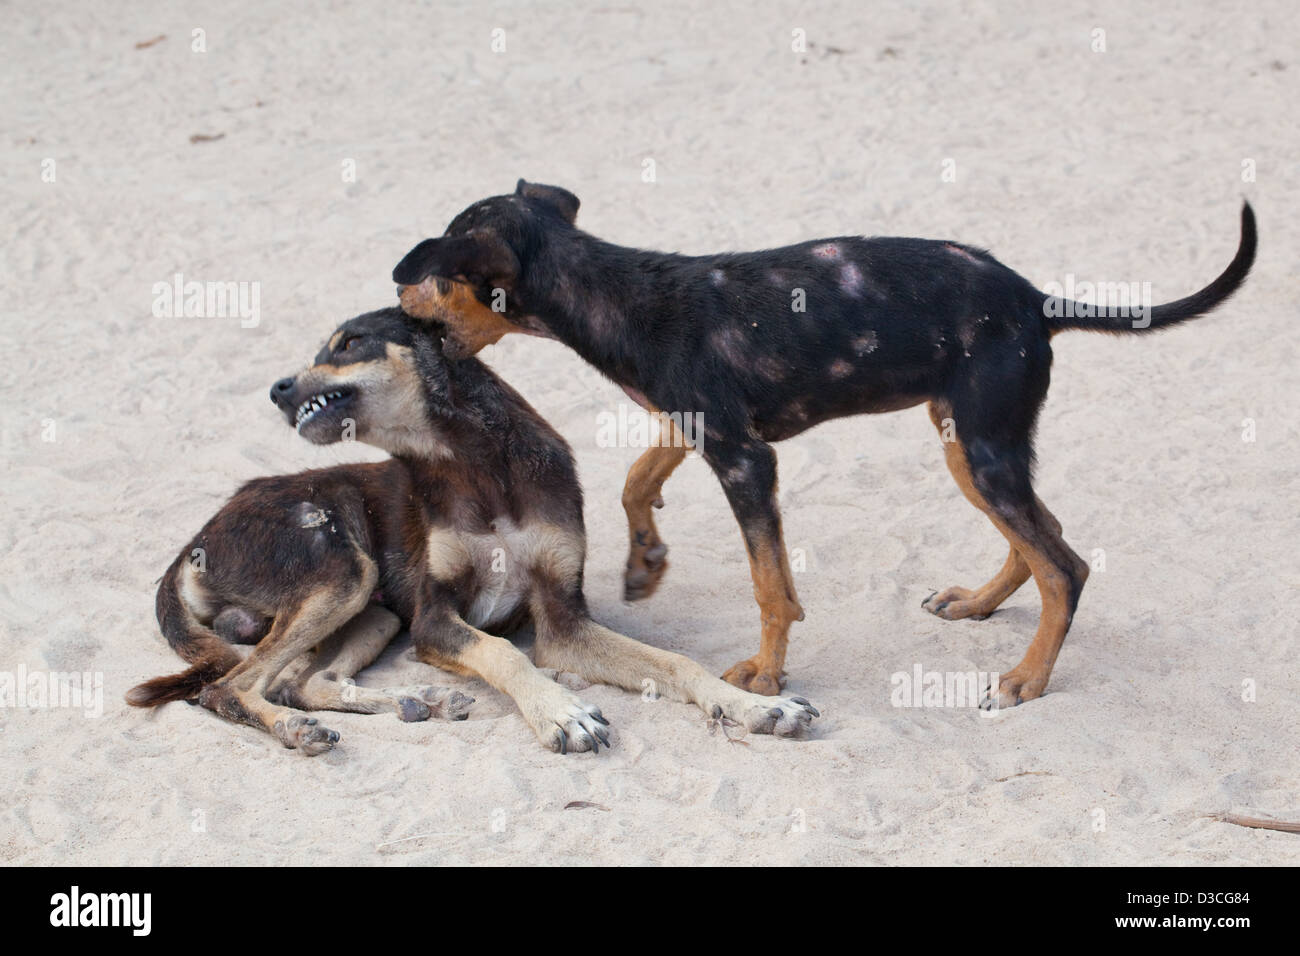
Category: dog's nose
[280,389]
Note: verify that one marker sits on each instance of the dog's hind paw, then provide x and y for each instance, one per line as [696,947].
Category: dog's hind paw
[421,703]
[954,604]
[445,703]
[1012,689]
[300,732]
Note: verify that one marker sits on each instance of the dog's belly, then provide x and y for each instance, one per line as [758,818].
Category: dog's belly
[802,414]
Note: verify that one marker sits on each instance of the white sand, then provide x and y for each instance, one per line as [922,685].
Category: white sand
[1123,165]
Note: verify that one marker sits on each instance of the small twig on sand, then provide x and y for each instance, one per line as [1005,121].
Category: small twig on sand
[1257,823]
[724,722]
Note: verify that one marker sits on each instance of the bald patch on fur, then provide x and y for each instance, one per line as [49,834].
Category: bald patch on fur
[729,342]
[961,253]
[851,281]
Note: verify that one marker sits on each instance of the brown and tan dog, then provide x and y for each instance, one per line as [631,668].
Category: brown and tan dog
[471,529]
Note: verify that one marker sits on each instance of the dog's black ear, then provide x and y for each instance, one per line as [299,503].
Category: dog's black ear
[561,200]
[478,258]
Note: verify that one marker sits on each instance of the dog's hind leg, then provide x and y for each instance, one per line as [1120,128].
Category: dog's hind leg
[993,472]
[956,602]
[646,559]
[241,695]
[326,682]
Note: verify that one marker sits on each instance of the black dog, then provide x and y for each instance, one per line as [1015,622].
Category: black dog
[473,527]
[768,344]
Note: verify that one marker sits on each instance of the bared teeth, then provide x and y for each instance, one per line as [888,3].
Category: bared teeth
[313,405]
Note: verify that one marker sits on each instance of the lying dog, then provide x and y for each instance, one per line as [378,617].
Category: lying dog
[767,344]
[473,527]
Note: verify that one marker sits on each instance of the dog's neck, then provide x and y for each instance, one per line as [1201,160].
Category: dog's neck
[490,439]
[606,302]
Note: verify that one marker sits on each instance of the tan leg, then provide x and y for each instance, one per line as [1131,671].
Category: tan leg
[570,641]
[779,607]
[646,560]
[325,681]
[1060,574]
[241,695]
[560,720]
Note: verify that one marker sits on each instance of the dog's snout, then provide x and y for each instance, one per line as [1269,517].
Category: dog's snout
[281,389]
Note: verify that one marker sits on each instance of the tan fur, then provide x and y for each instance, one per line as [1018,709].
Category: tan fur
[645,481]
[391,411]
[470,323]
[779,607]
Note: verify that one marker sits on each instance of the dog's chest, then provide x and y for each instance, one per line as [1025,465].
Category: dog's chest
[499,563]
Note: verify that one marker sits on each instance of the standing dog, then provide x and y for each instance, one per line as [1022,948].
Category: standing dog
[473,527]
[767,344]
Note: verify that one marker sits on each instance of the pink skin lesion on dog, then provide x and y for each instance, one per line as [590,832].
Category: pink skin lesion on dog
[851,279]
[961,253]
[865,344]
[827,250]
[841,369]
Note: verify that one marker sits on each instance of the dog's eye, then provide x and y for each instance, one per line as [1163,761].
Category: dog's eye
[347,345]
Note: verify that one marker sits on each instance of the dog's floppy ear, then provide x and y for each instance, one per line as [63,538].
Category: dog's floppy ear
[479,258]
[561,200]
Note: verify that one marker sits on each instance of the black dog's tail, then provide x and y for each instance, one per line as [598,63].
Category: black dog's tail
[208,654]
[1064,314]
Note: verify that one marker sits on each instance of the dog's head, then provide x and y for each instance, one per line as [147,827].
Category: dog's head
[380,379]
[468,278]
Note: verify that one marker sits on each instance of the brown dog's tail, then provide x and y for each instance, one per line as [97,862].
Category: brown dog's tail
[209,656]
[1061,313]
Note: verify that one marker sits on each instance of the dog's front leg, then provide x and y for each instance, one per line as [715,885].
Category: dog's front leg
[747,471]
[569,640]
[561,721]
[646,558]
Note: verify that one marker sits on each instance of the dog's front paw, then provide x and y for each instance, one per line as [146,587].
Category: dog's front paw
[779,716]
[752,676]
[300,732]
[645,569]
[564,723]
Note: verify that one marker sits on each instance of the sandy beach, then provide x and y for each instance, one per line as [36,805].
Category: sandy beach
[300,157]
